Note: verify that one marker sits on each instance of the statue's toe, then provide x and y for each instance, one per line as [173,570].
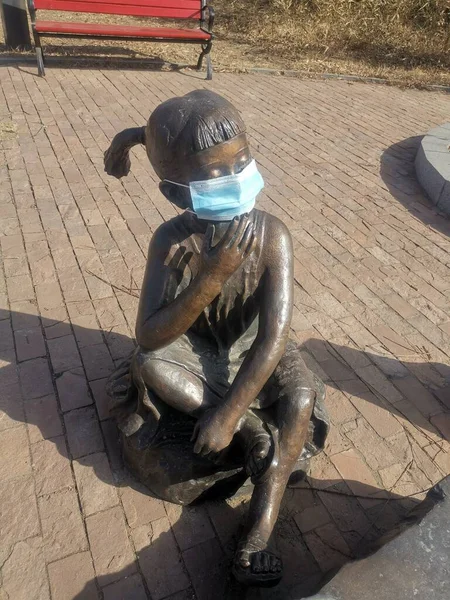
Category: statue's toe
[257,568]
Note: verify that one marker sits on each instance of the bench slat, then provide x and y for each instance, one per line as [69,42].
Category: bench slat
[196,4]
[170,9]
[163,33]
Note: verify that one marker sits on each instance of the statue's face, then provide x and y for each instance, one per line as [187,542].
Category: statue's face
[228,158]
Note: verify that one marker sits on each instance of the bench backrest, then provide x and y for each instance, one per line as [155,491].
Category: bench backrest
[168,9]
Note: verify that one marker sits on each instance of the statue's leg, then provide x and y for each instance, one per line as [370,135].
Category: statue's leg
[254,563]
[185,391]
[177,387]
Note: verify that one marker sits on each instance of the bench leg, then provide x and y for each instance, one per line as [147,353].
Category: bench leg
[40,62]
[39,54]
[209,69]
[206,52]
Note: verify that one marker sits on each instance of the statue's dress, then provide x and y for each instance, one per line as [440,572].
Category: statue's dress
[155,437]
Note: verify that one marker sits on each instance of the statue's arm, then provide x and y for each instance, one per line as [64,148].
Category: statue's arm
[274,324]
[162,317]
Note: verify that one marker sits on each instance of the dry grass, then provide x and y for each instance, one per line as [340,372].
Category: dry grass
[405,41]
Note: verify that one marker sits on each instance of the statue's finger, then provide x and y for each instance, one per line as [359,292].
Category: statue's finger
[198,445]
[209,236]
[236,238]
[246,237]
[195,432]
[229,233]
[251,245]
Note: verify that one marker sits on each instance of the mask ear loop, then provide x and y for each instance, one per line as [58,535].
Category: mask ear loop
[176,183]
[189,210]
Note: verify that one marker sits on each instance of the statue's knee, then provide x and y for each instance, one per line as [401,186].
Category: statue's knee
[148,367]
[302,401]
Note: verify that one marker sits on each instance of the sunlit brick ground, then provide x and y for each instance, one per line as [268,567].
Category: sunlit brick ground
[371,307]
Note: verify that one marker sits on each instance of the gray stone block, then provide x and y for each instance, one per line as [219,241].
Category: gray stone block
[413,565]
[433,166]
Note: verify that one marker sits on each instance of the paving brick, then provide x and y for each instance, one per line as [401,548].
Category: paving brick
[131,587]
[191,525]
[98,389]
[374,450]
[97,361]
[62,526]
[24,574]
[43,418]
[83,432]
[159,558]
[14,453]
[51,466]
[95,483]
[64,354]
[442,422]
[110,547]
[141,508]
[29,343]
[207,566]
[376,380]
[311,518]
[6,336]
[416,393]
[111,434]
[347,512]
[19,515]
[354,470]
[323,473]
[8,368]
[73,390]
[374,410]
[20,287]
[73,577]
[35,378]
[24,314]
[227,517]
[11,407]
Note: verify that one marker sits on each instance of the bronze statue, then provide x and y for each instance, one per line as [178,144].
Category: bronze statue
[215,392]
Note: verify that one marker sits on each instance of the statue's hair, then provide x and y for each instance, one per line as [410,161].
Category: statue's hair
[177,129]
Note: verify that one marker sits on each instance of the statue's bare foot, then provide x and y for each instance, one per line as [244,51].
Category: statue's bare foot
[254,564]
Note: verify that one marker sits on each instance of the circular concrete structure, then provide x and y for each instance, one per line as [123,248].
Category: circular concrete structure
[433,166]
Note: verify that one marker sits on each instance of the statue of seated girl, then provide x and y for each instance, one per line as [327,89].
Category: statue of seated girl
[215,392]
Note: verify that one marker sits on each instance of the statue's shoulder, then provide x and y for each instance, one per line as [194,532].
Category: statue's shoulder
[169,233]
[272,225]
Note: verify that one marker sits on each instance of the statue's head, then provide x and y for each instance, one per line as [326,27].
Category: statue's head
[198,148]
[201,137]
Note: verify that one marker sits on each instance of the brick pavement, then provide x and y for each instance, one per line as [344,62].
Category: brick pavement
[371,307]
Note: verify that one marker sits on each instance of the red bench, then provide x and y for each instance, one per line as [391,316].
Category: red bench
[186,10]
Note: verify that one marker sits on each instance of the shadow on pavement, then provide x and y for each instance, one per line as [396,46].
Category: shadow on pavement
[208,564]
[321,521]
[398,173]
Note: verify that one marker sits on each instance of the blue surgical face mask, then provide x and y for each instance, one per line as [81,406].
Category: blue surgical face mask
[223,198]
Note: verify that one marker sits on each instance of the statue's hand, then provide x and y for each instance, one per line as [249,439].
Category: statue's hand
[212,432]
[222,260]
[117,159]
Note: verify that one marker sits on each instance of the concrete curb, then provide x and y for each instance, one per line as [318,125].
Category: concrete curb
[4,60]
[433,166]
